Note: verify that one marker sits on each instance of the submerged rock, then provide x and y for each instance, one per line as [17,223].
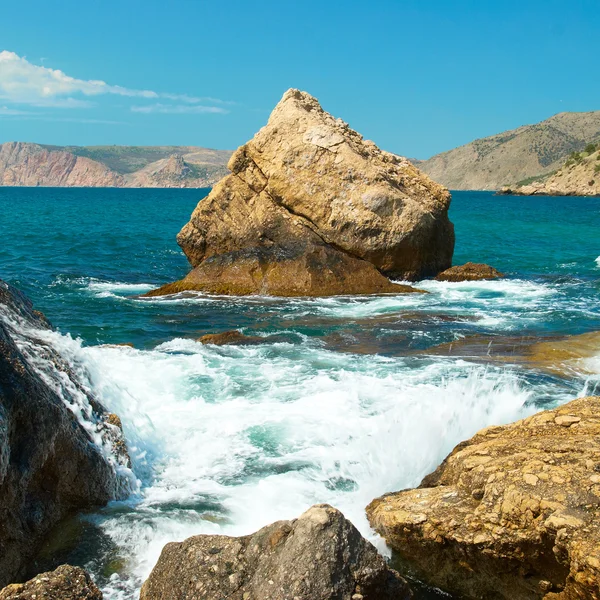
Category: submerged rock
[50,466]
[65,583]
[320,556]
[312,209]
[469,272]
[513,513]
[231,337]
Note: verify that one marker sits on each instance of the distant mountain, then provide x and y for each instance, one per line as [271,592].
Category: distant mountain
[579,176]
[26,164]
[514,156]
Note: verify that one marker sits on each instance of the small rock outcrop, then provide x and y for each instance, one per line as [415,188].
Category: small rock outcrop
[312,209]
[231,337]
[51,466]
[64,583]
[469,272]
[320,556]
[513,513]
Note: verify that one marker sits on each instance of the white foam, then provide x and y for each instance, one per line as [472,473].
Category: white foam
[228,439]
[598,261]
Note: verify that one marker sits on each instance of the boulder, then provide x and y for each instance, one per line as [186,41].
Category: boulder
[469,272]
[513,513]
[65,583]
[312,209]
[320,556]
[51,466]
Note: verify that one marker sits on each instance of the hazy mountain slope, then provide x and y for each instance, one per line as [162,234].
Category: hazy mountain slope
[25,164]
[579,176]
[506,158]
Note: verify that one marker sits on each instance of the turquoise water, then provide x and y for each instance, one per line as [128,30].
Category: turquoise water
[343,401]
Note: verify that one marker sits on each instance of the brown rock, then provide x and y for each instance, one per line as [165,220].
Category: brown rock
[320,556]
[65,583]
[469,272]
[312,209]
[230,337]
[513,513]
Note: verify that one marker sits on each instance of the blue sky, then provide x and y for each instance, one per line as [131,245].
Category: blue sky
[416,77]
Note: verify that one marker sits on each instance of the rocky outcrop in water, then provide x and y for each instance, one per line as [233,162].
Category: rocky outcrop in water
[320,556]
[312,209]
[65,583]
[469,272]
[513,513]
[51,466]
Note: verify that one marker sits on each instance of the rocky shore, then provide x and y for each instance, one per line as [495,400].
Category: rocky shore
[51,466]
[579,176]
[513,513]
[312,209]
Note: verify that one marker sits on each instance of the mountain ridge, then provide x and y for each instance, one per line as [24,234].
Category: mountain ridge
[512,156]
[27,164]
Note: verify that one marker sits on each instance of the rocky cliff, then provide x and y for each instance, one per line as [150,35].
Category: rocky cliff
[579,176]
[513,513]
[312,209]
[51,465]
[24,164]
[513,156]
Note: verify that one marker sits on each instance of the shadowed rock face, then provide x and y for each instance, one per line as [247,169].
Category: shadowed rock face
[320,556]
[65,583]
[49,467]
[312,209]
[513,513]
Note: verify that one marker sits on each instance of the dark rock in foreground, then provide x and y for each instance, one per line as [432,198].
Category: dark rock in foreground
[49,466]
[65,583]
[511,514]
[320,556]
[469,272]
[312,209]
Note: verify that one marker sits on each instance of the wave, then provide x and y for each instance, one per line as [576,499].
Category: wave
[598,261]
[228,439]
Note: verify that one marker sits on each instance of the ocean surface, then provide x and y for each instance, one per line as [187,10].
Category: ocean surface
[346,399]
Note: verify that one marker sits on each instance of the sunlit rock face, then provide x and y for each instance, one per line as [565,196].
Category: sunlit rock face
[312,209]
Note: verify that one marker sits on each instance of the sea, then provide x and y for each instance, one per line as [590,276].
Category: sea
[347,398]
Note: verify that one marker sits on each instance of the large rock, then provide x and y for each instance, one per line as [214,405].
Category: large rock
[320,556]
[513,513]
[312,209]
[65,583]
[50,465]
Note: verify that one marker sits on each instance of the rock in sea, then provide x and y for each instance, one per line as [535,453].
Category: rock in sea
[65,583]
[312,209]
[320,556]
[512,514]
[49,466]
[469,272]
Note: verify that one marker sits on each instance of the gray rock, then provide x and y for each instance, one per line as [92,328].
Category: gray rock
[320,556]
[49,467]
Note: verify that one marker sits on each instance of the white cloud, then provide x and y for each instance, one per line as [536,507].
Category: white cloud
[178,109]
[22,82]
[5,110]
